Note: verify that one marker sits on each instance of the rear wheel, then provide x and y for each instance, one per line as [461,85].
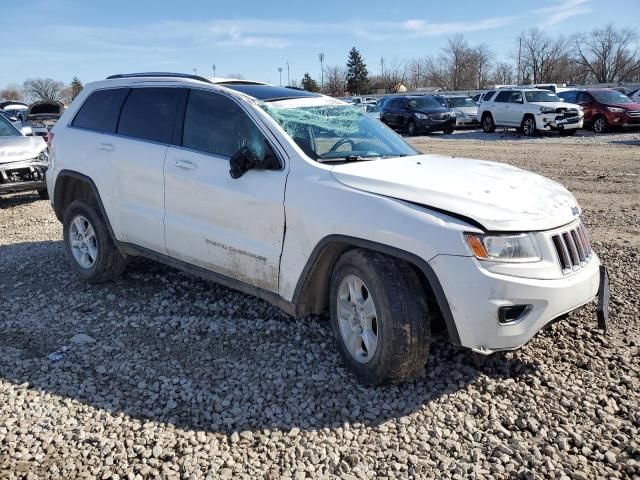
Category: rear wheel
[529,126]
[488,125]
[600,125]
[448,130]
[379,316]
[88,245]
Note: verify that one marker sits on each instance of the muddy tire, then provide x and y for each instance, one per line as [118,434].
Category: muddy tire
[488,125]
[379,317]
[89,246]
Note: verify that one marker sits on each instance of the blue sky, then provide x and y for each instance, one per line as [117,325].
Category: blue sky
[63,38]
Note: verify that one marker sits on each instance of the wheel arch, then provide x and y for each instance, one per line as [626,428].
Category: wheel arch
[71,185]
[311,295]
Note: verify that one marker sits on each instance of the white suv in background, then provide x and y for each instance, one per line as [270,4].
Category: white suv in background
[530,110]
[312,205]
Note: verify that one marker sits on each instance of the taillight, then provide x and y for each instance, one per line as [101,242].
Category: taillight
[49,139]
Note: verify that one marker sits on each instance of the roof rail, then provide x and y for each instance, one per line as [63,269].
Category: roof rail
[159,74]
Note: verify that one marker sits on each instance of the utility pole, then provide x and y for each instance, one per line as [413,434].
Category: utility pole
[214,69]
[288,77]
[280,72]
[519,64]
[382,67]
[321,58]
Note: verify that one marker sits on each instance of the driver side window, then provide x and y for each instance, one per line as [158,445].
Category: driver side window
[516,97]
[215,124]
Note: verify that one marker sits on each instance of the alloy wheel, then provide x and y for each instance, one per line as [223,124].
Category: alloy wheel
[84,243]
[357,318]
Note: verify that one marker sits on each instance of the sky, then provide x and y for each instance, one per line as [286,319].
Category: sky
[61,39]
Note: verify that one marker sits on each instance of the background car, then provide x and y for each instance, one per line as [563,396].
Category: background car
[635,95]
[42,116]
[464,107]
[23,161]
[415,114]
[604,108]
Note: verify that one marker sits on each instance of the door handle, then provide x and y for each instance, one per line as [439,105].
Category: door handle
[185,165]
[107,147]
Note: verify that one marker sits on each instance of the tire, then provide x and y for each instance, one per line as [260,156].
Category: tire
[43,194]
[488,125]
[529,126]
[400,320]
[568,133]
[600,125]
[102,261]
[448,130]
[411,128]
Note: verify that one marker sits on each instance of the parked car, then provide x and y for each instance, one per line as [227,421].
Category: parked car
[416,114]
[464,107]
[604,108]
[15,109]
[23,161]
[635,95]
[530,110]
[312,205]
[42,116]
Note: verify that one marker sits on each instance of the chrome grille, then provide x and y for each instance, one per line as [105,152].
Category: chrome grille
[573,248]
[633,113]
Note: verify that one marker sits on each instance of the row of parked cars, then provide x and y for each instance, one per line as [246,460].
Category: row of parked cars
[529,110]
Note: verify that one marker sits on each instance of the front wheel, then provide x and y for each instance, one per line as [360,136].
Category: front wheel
[379,317]
[529,126]
[600,125]
[411,128]
[447,130]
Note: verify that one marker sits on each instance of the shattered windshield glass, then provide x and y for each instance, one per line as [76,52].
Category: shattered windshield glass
[338,132]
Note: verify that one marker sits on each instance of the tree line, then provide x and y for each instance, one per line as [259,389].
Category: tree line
[39,89]
[604,55]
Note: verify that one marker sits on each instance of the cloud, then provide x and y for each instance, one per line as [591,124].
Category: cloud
[556,14]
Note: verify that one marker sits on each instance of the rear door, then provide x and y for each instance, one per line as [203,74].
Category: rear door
[144,132]
[513,111]
[234,227]
[498,105]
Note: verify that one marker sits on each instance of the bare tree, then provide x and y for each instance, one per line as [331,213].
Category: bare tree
[44,89]
[542,56]
[394,75]
[459,66]
[480,58]
[335,83]
[11,92]
[503,74]
[608,54]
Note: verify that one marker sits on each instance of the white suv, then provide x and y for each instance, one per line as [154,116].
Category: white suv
[530,110]
[311,204]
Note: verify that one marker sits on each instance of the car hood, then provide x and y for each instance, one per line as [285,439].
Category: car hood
[497,196]
[16,149]
[562,105]
[627,106]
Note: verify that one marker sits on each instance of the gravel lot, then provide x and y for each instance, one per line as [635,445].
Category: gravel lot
[163,375]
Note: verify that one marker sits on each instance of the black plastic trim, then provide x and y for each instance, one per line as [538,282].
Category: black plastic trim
[425,268]
[159,75]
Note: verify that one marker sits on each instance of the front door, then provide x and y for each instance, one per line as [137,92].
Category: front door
[234,227]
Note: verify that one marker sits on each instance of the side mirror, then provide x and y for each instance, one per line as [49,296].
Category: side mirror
[246,159]
[13,119]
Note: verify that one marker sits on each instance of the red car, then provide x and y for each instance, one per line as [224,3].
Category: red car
[604,108]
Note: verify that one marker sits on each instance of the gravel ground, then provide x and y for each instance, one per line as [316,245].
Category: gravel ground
[163,375]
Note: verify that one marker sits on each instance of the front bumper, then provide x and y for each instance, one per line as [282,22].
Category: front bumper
[429,125]
[22,176]
[466,121]
[475,296]
[552,121]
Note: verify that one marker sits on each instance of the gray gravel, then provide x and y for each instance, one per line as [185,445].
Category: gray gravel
[163,375]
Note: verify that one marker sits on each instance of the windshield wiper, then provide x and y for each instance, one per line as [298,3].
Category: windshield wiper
[346,158]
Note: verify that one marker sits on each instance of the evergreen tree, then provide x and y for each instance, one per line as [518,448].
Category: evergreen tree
[357,74]
[309,84]
[75,87]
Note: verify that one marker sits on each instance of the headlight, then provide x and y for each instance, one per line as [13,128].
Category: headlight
[616,110]
[43,157]
[421,116]
[547,109]
[504,248]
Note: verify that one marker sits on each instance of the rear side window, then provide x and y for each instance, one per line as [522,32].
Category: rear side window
[503,96]
[569,97]
[213,123]
[488,96]
[100,111]
[149,113]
